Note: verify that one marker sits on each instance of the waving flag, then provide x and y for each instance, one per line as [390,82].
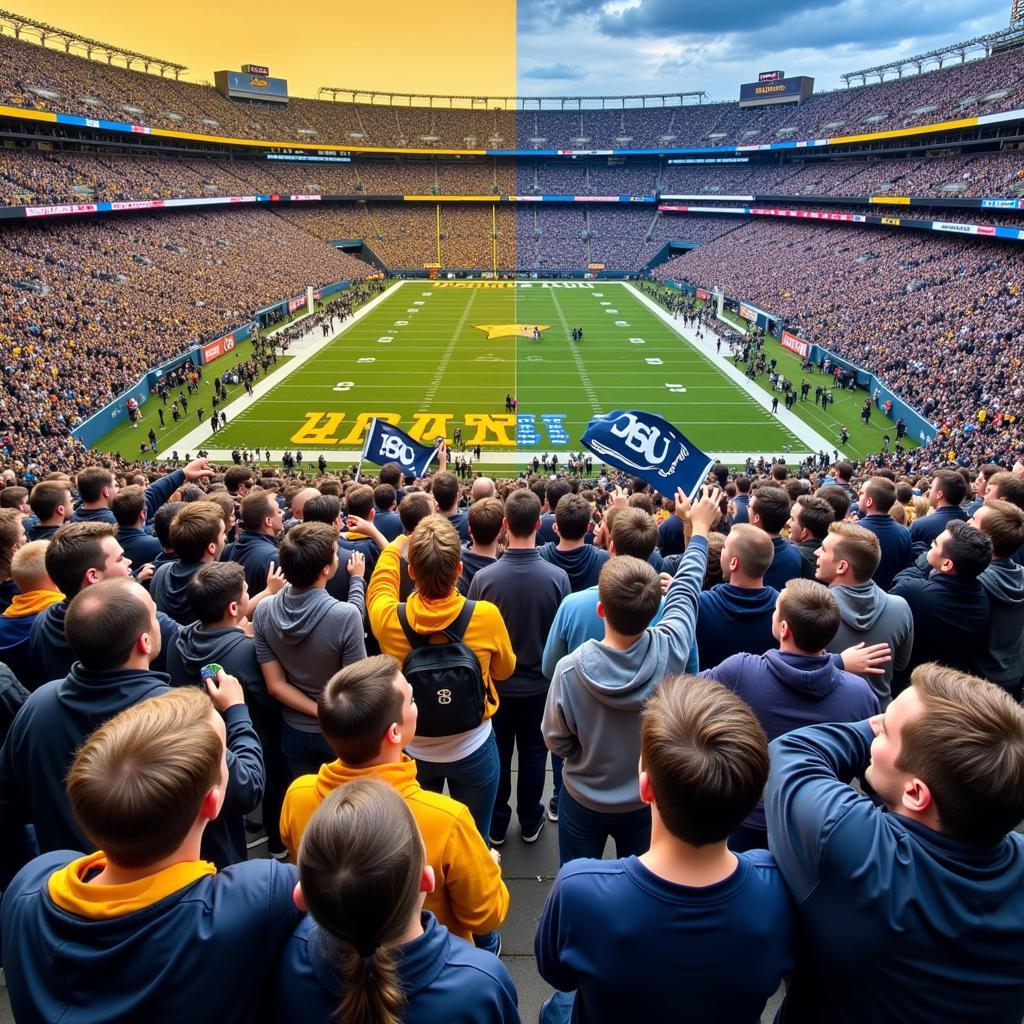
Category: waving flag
[387,443]
[648,447]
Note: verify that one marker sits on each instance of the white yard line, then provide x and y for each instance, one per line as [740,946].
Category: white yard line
[194,439]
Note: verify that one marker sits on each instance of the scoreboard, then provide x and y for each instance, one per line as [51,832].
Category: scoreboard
[251,83]
[771,88]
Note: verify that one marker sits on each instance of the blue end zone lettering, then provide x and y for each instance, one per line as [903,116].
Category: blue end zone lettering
[556,432]
[526,429]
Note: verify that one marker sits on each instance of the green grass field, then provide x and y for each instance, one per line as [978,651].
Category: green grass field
[434,356]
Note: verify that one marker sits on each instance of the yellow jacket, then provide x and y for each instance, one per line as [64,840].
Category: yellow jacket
[469,897]
[485,635]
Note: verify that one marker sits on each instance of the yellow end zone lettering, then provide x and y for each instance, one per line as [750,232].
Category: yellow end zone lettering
[323,428]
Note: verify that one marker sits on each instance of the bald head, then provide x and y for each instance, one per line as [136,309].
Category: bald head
[112,625]
[483,487]
[300,499]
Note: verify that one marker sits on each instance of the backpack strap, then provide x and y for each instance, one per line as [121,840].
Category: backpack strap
[456,630]
[415,639]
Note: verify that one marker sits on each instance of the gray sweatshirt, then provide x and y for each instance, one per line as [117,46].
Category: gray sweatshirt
[869,615]
[592,715]
[312,636]
[1002,660]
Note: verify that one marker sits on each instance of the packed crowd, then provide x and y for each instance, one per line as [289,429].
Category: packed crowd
[195,658]
[45,79]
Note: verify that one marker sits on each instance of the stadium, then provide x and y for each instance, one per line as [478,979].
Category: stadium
[797,280]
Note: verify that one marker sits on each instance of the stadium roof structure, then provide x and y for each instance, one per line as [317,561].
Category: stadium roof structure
[412,99]
[19,24]
[1012,35]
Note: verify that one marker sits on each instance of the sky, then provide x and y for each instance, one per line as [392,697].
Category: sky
[533,47]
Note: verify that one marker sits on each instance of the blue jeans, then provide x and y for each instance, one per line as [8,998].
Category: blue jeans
[583,832]
[304,752]
[517,724]
[472,781]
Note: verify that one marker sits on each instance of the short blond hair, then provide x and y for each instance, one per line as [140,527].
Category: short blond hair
[28,567]
[137,785]
[434,554]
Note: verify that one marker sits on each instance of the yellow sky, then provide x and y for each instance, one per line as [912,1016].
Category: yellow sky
[460,47]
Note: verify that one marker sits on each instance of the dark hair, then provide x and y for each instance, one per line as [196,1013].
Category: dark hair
[951,485]
[360,863]
[706,757]
[859,548]
[838,498]
[556,490]
[882,492]
[415,506]
[630,594]
[103,622]
[198,525]
[485,517]
[162,520]
[46,496]
[357,706]
[13,497]
[359,501]
[445,488]
[811,612]
[634,532]
[254,509]
[772,508]
[522,510]
[213,588]
[323,509]
[815,515]
[743,484]
[968,549]
[391,473]
[1010,487]
[1003,524]
[384,496]
[127,504]
[968,746]
[305,550]
[572,516]
[73,550]
[91,481]
[843,471]
[235,477]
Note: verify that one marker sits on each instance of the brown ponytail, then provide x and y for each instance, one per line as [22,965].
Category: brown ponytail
[360,864]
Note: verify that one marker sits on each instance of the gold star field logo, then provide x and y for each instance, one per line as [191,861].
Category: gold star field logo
[511,330]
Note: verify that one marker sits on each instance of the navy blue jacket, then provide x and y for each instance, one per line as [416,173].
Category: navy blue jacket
[901,923]
[58,718]
[161,955]
[471,565]
[254,552]
[139,546]
[527,591]
[460,520]
[39,532]
[445,980]
[671,538]
[389,523]
[788,564]
[732,619]
[92,515]
[924,530]
[169,590]
[895,542]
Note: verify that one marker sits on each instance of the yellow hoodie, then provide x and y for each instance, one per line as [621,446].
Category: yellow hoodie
[485,635]
[469,898]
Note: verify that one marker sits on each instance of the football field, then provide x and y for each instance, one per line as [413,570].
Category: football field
[435,356]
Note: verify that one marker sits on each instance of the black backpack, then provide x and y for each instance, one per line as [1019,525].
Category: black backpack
[446,679]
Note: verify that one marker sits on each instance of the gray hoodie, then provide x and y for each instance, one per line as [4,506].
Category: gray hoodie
[1002,660]
[869,615]
[312,636]
[592,715]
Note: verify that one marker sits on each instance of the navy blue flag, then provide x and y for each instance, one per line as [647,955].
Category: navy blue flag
[387,443]
[648,447]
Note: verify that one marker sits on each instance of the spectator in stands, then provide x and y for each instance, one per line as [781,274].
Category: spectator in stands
[808,523]
[799,684]
[980,486]
[327,509]
[36,592]
[256,547]
[847,561]
[303,636]
[386,518]
[297,504]
[877,496]
[769,511]
[630,935]
[238,481]
[162,530]
[368,717]
[945,497]
[527,591]
[445,488]
[947,761]
[582,562]
[359,505]
[592,714]
[1005,486]
[368,950]
[741,503]
[554,491]
[50,502]
[485,522]
[113,630]
[96,486]
[1001,657]
[467,761]
[736,615]
[143,788]
[129,509]
[837,498]
[950,607]
[197,536]
[12,537]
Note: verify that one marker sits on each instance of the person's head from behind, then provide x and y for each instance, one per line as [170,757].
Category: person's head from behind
[703,760]
[960,549]
[81,554]
[634,532]
[384,497]
[12,536]
[1001,521]
[113,625]
[128,505]
[572,517]
[629,593]
[366,711]
[359,501]
[150,777]
[837,498]
[309,554]
[1005,486]
[435,557]
[28,567]
[747,553]
[949,751]
[877,495]
[769,509]
[363,877]
[51,499]
[848,556]
[806,617]
[445,488]
[197,532]
[162,520]
[218,591]
[809,519]
[413,508]
[948,489]
[325,508]
[96,485]
[261,513]
[522,514]
[485,520]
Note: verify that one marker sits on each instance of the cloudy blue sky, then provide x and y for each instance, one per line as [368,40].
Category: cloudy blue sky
[581,47]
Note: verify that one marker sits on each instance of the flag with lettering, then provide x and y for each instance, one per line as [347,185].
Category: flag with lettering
[387,443]
[649,447]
